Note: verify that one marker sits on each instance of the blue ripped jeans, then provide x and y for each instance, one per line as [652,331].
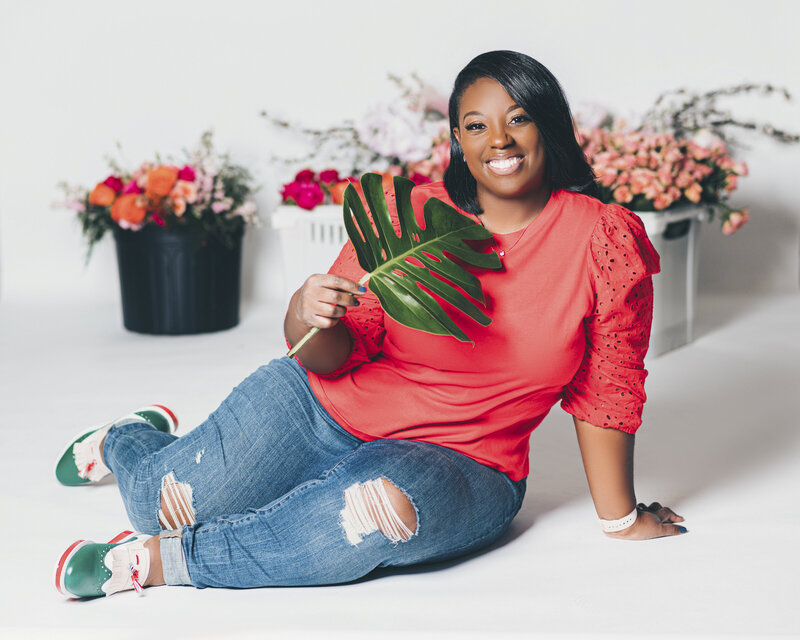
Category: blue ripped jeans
[268,473]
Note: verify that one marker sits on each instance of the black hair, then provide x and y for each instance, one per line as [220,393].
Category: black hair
[531,85]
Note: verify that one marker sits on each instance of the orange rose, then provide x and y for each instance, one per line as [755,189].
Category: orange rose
[102,195]
[337,191]
[160,182]
[126,208]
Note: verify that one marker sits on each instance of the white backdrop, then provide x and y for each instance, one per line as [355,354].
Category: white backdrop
[76,77]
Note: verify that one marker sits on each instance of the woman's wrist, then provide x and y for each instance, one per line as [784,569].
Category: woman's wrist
[620,524]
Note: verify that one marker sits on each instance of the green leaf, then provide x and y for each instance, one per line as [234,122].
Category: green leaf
[398,282]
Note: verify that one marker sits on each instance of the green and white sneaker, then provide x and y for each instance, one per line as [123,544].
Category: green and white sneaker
[81,462]
[88,569]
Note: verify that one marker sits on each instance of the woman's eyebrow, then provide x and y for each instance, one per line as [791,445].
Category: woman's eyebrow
[478,113]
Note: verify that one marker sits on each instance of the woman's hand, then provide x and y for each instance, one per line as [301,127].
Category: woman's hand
[323,300]
[654,521]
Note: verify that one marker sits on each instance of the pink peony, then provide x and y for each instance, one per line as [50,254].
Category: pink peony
[187,173]
[289,191]
[736,220]
[131,187]
[309,195]
[114,182]
[306,175]
[329,176]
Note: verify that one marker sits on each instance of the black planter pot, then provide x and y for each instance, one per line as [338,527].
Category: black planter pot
[169,288]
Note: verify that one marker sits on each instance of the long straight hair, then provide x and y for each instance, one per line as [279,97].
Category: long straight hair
[531,85]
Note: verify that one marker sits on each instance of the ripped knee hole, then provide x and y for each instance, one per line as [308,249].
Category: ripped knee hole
[176,503]
[377,505]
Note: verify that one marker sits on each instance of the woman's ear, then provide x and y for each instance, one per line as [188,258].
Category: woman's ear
[457,134]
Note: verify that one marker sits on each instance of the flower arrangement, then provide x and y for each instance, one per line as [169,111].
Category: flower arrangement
[309,189]
[652,171]
[206,194]
[678,154]
[408,136]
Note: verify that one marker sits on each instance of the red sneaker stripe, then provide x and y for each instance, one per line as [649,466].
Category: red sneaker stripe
[171,415]
[120,536]
[60,566]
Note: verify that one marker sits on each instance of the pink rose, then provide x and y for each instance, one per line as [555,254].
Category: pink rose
[693,192]
[683,180]
[306,175]
[216,207]
[187,173]
[131,187]
[736,220]
[740,169]
[329,176]
[309,195]
[623,194]
[662,202]
[114,182]
[179,206]
[731,182]
[608,176]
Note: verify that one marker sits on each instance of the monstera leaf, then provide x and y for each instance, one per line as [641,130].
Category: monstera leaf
[396,266]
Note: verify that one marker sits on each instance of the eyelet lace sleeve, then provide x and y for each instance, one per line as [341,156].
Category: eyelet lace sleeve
[608,388]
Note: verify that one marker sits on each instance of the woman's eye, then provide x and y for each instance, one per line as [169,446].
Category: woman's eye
[474,126]
[520,118]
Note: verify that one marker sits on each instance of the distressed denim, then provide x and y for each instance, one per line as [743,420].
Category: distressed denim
[268,472]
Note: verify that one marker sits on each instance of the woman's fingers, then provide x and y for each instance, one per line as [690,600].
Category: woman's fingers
[649,524]
[324,299]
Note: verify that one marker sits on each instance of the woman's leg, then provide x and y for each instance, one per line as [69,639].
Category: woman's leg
[388,503]
[269,435]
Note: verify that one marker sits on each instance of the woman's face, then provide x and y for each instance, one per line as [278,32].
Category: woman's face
[501,144]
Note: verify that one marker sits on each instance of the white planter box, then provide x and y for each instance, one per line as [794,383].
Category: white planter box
[311,240]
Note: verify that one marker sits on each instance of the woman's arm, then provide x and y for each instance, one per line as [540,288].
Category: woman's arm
[321,302]
[608,461]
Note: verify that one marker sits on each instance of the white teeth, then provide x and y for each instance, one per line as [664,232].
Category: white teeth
[505,164]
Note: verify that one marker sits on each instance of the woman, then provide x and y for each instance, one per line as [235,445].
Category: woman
[386,446]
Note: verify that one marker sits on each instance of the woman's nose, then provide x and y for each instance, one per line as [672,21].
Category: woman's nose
[500,138]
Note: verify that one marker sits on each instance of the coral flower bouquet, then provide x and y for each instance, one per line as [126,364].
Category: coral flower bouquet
[205,194]
[648,171]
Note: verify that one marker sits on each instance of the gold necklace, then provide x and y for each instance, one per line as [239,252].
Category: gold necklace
[502,252]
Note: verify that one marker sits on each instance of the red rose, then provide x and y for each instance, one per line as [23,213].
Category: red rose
[306,175]
[418,178]
[114,182]
[309,195]
[187,173]
[329,176]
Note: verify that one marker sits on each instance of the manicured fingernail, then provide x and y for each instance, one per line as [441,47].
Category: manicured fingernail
[362,289]
[682,529]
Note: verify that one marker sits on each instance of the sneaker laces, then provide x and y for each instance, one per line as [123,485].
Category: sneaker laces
[88,459]
[129,564]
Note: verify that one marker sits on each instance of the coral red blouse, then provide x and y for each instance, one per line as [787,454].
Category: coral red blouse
[571,315]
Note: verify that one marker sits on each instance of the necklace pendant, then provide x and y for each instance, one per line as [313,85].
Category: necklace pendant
[501,253]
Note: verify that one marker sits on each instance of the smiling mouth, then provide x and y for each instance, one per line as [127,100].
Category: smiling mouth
[504,166]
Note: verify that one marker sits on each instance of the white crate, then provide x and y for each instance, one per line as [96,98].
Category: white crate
[311,240]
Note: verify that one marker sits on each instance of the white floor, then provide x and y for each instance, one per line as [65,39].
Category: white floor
[720,445]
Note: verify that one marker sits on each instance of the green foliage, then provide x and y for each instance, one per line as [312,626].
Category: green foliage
[399,266]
